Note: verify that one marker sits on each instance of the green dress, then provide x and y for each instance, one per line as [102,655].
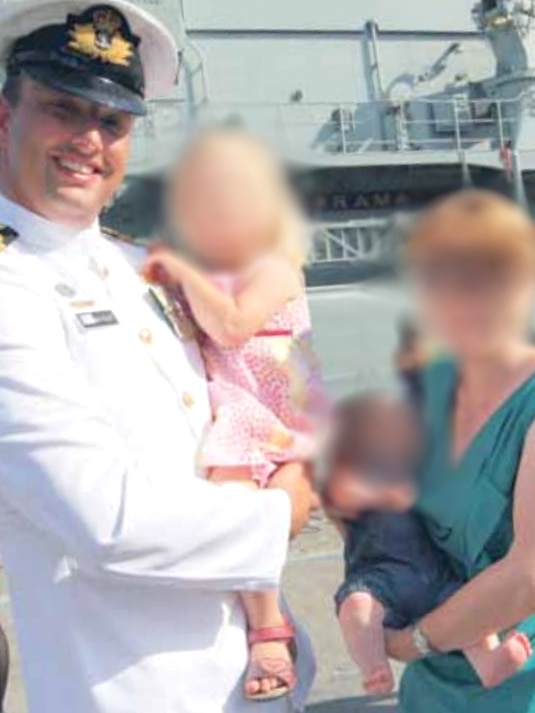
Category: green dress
[467,508]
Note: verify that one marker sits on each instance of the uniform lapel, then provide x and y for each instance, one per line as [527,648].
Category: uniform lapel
[166,340]
[175,317]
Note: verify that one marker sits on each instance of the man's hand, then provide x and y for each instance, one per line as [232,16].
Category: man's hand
[296,480]
[241,475]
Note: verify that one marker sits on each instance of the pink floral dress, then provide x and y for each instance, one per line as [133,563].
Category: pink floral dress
[267,396]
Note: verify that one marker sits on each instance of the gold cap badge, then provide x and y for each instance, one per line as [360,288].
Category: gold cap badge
[7,236]
[102,38]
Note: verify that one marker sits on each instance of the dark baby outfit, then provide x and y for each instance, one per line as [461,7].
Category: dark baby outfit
[391,556]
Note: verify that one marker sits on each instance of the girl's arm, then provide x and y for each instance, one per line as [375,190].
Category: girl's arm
[229,319]
[498,598]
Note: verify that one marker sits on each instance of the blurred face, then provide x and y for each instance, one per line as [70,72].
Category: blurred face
[225,203]
[476,308]
[61,157]
[388,445]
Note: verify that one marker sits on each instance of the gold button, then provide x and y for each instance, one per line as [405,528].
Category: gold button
[146,336]
[188,400]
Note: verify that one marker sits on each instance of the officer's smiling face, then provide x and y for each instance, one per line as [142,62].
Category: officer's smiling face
[61,157]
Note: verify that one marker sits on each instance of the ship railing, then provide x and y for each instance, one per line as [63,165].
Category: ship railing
[431,124]
[353,241]
[460,124]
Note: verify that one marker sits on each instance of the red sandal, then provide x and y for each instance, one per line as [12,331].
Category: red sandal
[270,666]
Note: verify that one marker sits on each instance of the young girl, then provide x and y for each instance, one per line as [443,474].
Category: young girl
[241,282]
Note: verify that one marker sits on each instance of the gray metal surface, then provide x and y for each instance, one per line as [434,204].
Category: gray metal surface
[336,15]
[376,107]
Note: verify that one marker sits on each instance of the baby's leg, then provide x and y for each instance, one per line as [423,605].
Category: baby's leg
[361,621]
[266,658]
[496,661]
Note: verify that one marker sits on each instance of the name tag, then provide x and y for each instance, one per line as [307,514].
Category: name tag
[99,318]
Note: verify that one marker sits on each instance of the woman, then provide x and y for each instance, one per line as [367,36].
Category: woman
[473,257]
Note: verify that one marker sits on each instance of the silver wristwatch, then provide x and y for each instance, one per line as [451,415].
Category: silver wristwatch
[420,641]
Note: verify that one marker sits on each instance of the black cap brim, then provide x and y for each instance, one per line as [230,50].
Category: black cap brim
[88,86]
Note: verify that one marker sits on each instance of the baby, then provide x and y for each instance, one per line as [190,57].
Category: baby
[239,279]
[394,575]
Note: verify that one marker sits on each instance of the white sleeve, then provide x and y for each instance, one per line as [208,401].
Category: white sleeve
[67,472]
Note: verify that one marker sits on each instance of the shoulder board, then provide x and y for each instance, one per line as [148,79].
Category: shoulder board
[7,236]
[117,236]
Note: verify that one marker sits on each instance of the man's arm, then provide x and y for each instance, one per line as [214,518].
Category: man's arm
[64,468]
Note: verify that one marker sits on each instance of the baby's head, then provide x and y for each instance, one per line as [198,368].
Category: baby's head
[229,202]
[372,457]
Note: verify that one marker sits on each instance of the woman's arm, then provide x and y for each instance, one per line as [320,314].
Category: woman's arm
[229,320]
[498,598]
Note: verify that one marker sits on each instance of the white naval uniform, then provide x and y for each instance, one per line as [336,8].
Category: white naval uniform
[121,561]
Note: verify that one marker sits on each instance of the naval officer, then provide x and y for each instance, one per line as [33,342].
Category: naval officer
[121,562]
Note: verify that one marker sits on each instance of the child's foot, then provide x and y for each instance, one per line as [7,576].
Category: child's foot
[504,661]
[271,671]
[361,620]
[379,681]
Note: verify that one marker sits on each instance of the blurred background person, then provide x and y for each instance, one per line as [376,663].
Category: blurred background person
[411,359]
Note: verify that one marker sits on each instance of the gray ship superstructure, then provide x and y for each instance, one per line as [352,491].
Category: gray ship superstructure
[377,107]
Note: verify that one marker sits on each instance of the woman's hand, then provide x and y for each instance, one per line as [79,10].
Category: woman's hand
[399,645]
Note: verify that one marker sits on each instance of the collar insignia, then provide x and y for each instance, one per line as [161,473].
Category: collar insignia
[173,313]
[7,236]
[102,35]
[112,234]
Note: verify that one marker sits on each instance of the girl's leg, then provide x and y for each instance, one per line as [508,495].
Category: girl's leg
[262,611]
[238,474]
[495,661]
[361,621]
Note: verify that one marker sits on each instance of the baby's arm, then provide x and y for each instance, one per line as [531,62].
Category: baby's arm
[229,320]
